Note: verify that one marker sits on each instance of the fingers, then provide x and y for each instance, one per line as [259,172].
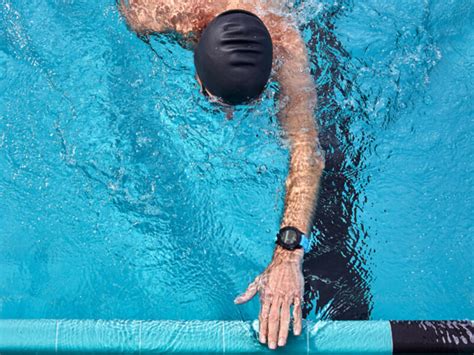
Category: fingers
[263,320]
[284,322]
[297,316]
[248,294]
[274,322]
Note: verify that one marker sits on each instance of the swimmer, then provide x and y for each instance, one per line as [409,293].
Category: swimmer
[238,45]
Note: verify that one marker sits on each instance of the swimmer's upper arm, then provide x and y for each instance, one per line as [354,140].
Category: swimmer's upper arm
[297,107]
[297,87]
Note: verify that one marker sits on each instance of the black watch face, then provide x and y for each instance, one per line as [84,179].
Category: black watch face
[289,238]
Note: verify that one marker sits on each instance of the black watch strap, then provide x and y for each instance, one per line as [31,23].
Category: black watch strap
[292,238]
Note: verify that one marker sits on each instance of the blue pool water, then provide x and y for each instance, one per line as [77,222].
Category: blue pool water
[125,194]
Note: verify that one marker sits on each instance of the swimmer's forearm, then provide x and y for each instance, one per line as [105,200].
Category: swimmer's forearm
[306,158]
[302,185]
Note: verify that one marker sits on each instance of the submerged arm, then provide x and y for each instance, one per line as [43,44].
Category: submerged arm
[298,102]
[281,284]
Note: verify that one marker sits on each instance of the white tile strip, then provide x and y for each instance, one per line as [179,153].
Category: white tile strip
[56,337]
[140,338]
[223,337]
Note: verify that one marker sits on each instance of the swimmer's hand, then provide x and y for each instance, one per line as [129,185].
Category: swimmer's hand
[280,286]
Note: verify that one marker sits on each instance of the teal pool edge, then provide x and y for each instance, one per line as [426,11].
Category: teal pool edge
[167,336]
[134,336]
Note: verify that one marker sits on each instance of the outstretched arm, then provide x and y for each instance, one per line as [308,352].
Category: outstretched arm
[298,102]
[281,284]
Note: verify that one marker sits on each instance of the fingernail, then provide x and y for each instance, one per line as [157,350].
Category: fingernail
[272,345]
[262,339]
[281,342]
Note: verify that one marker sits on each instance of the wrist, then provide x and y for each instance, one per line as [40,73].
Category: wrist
[283,254]
[302,226]
[291,238]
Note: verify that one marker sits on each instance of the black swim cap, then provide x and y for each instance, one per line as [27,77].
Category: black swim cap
[233,58]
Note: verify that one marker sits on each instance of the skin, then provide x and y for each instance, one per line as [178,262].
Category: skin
[281,284]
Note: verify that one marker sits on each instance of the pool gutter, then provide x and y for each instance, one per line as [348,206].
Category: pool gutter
[135,336]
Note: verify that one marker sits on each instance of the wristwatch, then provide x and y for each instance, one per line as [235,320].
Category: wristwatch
[292,238]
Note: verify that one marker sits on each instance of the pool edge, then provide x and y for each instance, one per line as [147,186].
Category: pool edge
[137,336]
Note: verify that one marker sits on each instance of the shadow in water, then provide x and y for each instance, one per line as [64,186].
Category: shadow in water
[336,275]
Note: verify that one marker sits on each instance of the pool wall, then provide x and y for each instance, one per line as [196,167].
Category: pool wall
[135,336]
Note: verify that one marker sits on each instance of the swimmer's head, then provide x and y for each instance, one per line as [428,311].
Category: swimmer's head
[233,58]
